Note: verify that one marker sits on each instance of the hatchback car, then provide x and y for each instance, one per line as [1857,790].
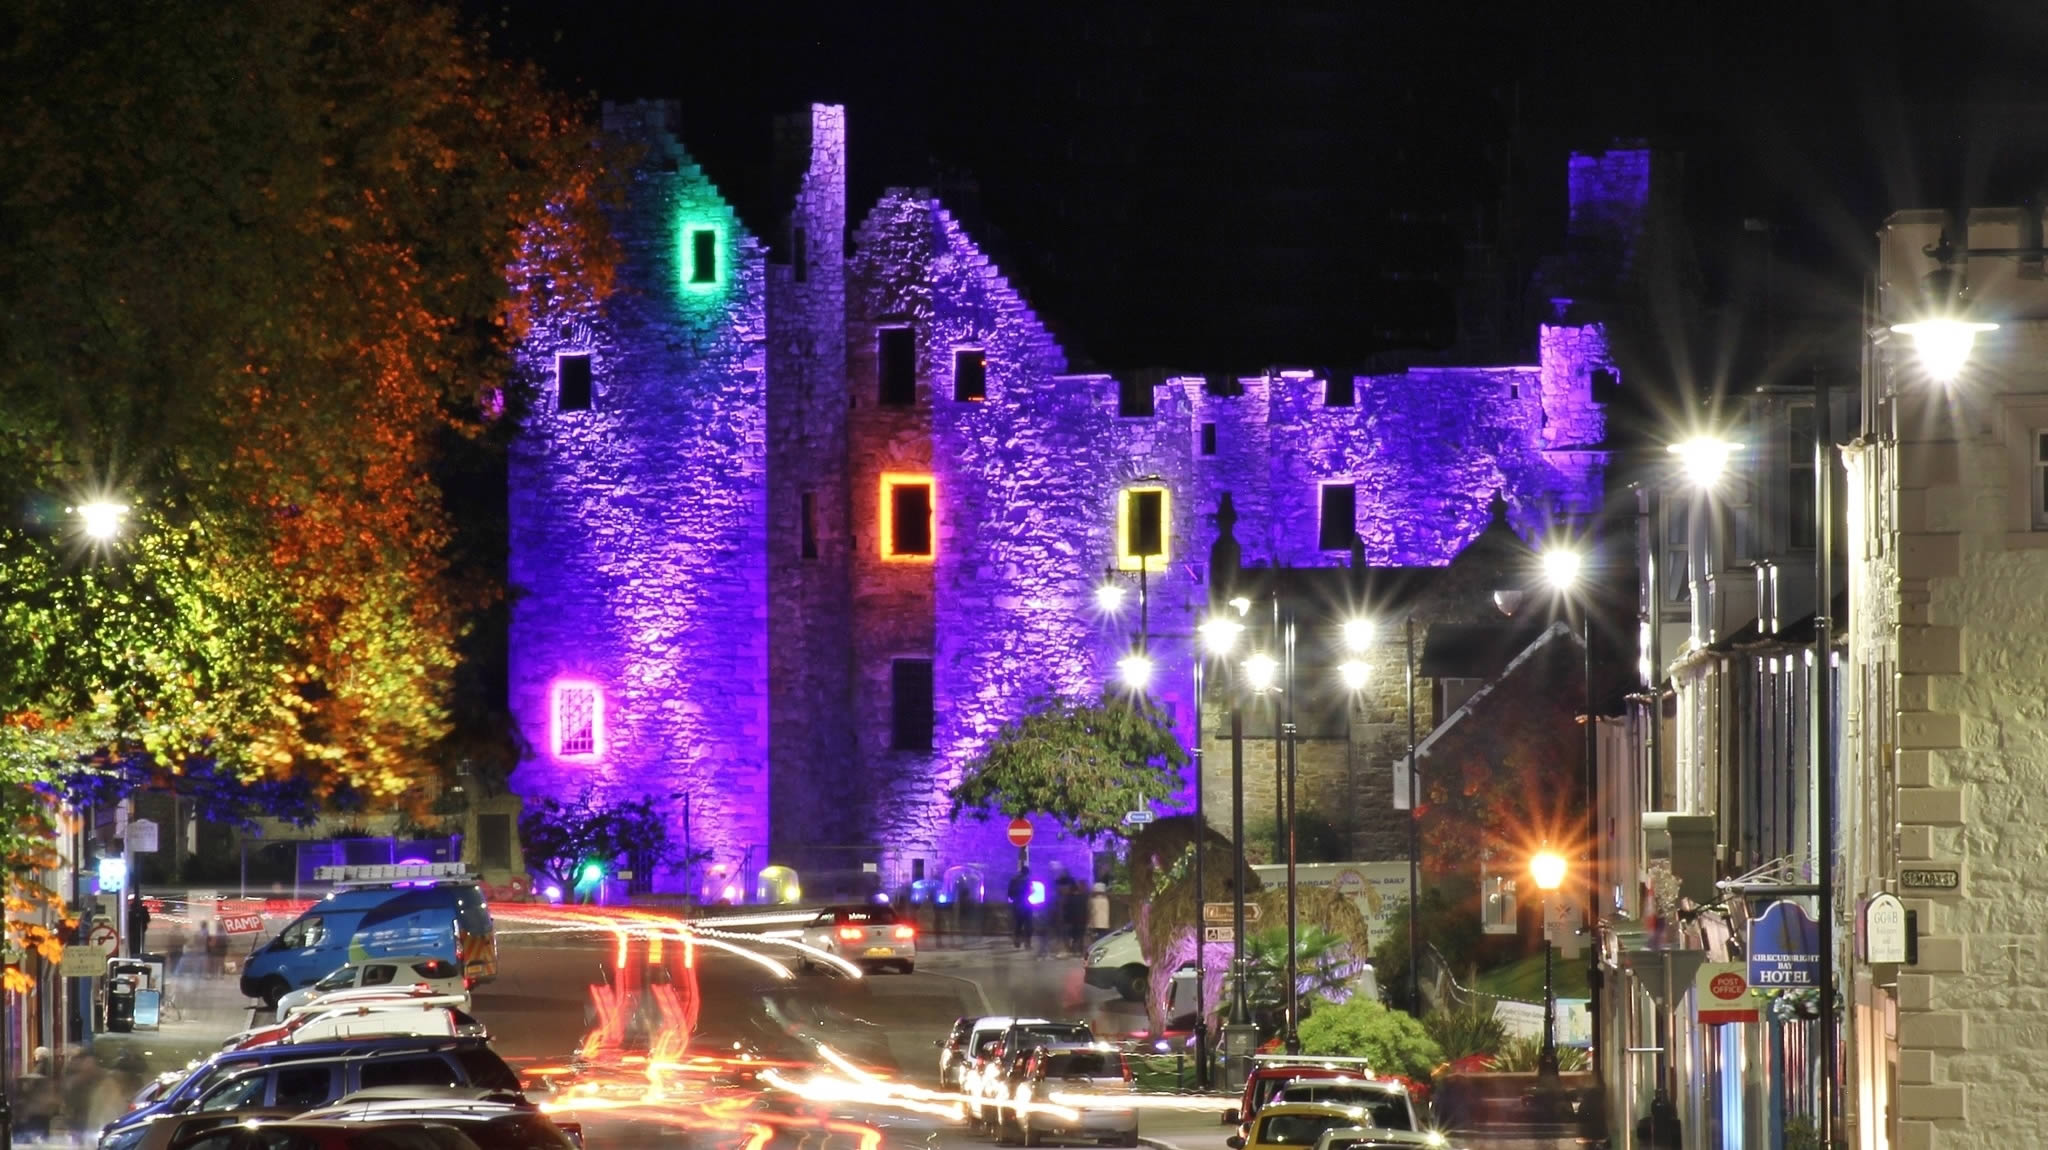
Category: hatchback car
[1080,1086]
[870,935]
[1386,1103]
[438,975]
[1292,1125]
[494,1120]
[999,1079]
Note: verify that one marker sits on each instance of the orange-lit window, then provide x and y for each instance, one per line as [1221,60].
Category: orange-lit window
[907,521]
[1141,528]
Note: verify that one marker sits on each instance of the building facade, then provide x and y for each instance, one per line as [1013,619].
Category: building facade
[815,506]
[1946,736]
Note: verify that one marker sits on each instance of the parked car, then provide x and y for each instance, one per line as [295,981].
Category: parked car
[299,1134]
[1370,1138]
[1292,1125]
[461,1061]
[1116,963]
[445,919]
[494,1120]
[440,976]
[872,936]
[1087,1081]
[1386,1103]
[373,1022]
[299,1025]
[168,1130]
[971,1036]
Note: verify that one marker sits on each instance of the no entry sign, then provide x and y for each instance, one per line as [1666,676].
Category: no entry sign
[1020,833]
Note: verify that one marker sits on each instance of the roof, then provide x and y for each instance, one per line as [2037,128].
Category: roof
[1476,650]
[1555,631]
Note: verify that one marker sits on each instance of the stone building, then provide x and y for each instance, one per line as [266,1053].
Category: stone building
[1946,743]
[816,505]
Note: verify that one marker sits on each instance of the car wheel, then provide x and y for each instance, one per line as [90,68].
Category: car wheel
[273,991]
[908,968]
[1137,983]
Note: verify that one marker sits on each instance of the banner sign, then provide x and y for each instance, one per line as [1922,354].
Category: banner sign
[1784,948]
[1721,993]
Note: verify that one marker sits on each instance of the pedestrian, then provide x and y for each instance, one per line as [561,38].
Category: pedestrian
[1047,919]
[80,1084]
[217,952]
[1074,912]
[174,951]
[1020,908]
[200,962]
[37,1098]
[1098,912]
[138,924]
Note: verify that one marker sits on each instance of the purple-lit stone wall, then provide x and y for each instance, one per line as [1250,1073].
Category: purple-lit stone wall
[638,542]
[1609,194]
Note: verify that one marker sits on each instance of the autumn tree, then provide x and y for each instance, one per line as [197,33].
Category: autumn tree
[263,259]
[1083,764]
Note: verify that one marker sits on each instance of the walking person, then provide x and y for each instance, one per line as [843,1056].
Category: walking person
[138,925]
[1047,921]
[1074,916]
[1020,908]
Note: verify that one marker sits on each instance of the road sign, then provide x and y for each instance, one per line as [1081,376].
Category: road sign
[1722,991]
[1219,934]
[241,923]
[82,962]
[1020,833]
[142,836]
[1138,818]
[104,939]
[1227,912]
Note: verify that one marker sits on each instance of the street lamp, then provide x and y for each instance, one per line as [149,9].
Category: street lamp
[1547,867]
[101,519]
[1135,669]
[1944,344]
[1218,635]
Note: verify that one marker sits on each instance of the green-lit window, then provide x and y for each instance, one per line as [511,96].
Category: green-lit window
[703,256]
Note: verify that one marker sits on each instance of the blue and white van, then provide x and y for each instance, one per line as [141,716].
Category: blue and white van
[422,909]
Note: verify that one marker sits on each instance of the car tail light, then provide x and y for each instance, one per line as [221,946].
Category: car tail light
[851,933]
[468,983]
[906,932]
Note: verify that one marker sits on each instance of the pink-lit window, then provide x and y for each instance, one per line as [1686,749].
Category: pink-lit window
[578,720]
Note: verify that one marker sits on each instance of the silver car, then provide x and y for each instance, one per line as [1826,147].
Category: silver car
[1086,1082]
[869,935]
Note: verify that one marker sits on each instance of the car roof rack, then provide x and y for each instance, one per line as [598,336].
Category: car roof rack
[360,876]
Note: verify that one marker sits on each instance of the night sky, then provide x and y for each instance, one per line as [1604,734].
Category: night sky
[1217,188]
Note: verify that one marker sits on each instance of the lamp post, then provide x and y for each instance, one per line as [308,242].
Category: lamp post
[1218,636]
[1562,567]
[1547,868]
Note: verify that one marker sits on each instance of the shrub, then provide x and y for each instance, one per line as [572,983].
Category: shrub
[1526,1052]
[1390,1041]
[1466,1029]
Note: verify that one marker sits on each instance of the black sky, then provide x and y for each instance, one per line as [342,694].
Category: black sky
[1221,186]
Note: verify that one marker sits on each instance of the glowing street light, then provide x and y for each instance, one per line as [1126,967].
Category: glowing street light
[1358,635]
[1260,670]
[1943,344]
[1136,670]
[1219,635]
[1561,567]
[1109,597]
[102,519]
[1703,458]
[1354,674]
[1547,868]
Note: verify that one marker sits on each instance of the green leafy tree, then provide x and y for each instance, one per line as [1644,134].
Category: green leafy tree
[1086,765]
[1391,1041]
[559,837]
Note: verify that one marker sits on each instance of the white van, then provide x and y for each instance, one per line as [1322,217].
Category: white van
[364,1021]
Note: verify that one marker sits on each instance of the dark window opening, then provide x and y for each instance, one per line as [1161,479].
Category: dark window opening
[1340,391]
[970,375]
[572,382]
[1340,517]
[910,705]
[897,353]
[808,525]
[1134,398]
[1208,439]
[800,255]
[910,519]
[1605,384]
[1147,527]
[1801,521]
[704,257]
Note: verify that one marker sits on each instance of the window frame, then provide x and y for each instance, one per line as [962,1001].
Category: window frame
[694,243]
[979,394]
[1133,395]
[928,723]
[886,533]
[1324,491]
[588,385]
[559,742]
[887,395]
[1126,506]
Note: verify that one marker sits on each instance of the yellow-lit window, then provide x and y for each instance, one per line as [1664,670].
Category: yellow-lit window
[1141,519]
[908,525]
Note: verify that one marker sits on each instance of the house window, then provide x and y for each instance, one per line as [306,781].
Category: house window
[1799,479]
[577,720]
[896,360]
[572,382]
[1208,439]
[910,705]
[1141,528]
[1677,553]
[1339,391]
[970,375]
[703,257]
[800,255]
[1340,517]
[906,518]
[807,525]
[1133,398]
[1606,385]
[2040,483]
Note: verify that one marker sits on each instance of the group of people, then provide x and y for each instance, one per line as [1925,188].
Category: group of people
[1068,913]
[71,1103]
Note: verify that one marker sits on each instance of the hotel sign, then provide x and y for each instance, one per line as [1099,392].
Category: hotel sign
[1784,948]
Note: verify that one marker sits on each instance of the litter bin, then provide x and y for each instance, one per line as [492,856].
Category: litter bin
[120,1001]
[134,992]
